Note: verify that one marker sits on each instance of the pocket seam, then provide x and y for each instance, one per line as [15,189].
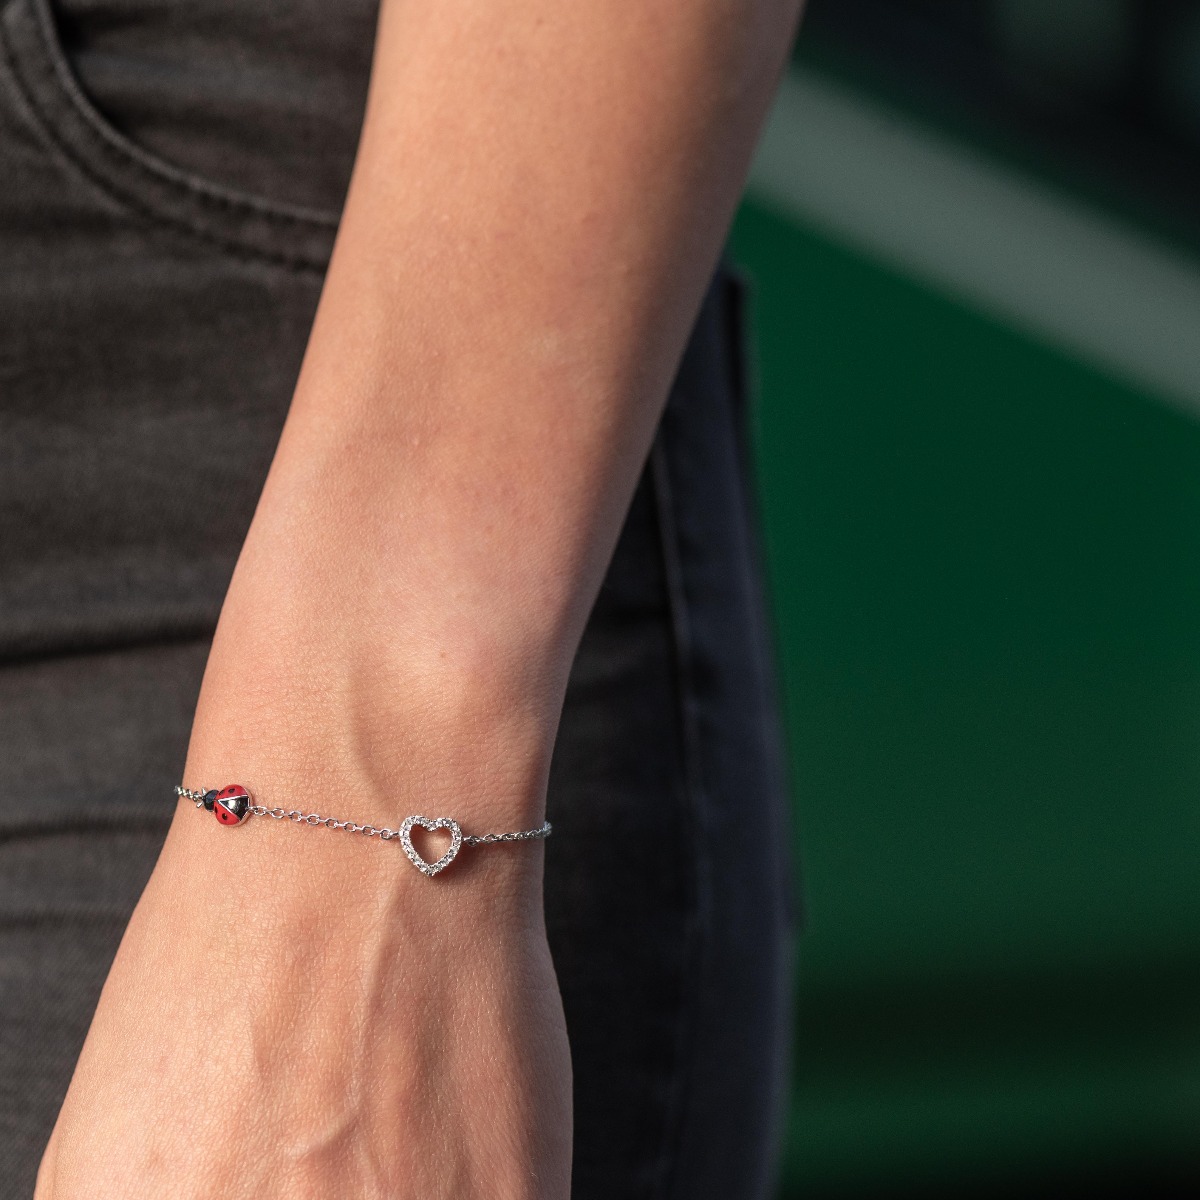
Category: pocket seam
[745,389]
[129,153]
[79,132]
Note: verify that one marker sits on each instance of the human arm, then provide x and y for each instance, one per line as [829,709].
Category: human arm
[538,202]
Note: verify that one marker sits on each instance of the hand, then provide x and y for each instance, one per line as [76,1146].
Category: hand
[295,1013]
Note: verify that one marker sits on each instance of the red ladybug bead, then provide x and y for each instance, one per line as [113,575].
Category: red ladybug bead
[232,805]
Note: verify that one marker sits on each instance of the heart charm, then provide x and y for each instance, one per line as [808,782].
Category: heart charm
[430,823]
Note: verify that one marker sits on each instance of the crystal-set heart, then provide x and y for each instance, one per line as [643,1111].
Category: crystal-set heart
[430,823]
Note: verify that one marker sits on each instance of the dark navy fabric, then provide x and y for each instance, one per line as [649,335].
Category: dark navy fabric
[170,181]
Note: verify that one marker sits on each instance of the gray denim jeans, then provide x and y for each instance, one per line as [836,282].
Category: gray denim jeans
[170,181]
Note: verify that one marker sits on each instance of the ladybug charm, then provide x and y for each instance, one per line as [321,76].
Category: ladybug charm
[231,805]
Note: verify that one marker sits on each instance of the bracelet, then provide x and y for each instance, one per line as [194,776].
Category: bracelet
[232,805]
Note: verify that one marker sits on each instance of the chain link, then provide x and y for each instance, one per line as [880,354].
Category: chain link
[522,835]
[196,796]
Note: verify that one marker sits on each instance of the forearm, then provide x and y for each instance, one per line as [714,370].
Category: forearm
[540,196]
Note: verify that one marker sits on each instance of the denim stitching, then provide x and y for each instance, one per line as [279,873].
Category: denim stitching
[156,217]
[128,154]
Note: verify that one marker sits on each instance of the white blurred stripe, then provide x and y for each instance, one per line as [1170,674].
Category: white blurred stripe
[943,213]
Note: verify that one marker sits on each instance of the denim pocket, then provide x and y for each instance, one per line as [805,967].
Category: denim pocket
[141,183]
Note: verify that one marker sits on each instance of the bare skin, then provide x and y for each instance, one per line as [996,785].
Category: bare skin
[540,196]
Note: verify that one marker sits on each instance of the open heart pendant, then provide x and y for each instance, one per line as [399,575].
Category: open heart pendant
[430,823]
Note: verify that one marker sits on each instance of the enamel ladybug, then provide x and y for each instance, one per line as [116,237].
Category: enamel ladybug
[231,805]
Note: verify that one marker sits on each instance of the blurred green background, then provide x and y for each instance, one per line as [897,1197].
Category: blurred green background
[971,235]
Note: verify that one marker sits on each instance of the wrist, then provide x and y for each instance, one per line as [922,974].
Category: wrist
[409,718]
[440,555]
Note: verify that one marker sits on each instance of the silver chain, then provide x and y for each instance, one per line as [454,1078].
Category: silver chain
[196,796]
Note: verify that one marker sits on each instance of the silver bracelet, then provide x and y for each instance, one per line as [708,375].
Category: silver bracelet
[233,804]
